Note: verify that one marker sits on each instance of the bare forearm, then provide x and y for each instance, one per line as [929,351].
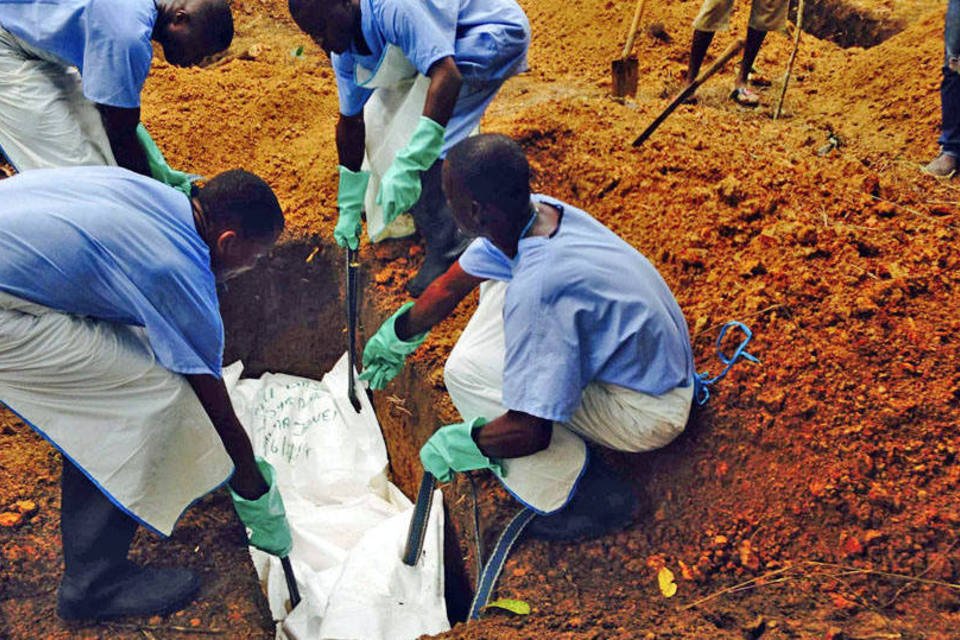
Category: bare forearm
[513,435]
[212,394]
[121,127]
[351,133]
[445,83]
[437,302]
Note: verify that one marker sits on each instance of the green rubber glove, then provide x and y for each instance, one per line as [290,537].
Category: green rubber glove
[353,186]
[385,354]
[265,518]
[400,187]
[159,168]
[452,448]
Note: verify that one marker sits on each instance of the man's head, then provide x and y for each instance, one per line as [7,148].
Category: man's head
[486,179]
[241,221]
[330,23]
[191,30]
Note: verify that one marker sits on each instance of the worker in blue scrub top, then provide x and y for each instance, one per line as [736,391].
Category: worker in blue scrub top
[111,345]
[71,73]
[576,339]
[414,77]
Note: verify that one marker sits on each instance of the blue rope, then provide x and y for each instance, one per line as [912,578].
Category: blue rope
[702,380]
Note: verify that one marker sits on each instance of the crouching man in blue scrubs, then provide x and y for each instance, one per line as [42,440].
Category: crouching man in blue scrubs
[111,344]
[71,73]
[576,339]
[414,77]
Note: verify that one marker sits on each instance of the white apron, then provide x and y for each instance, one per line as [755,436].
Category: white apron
[95,391]
[45,120]
[390,117]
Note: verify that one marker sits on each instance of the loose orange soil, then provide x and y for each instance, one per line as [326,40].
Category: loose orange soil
[807,480]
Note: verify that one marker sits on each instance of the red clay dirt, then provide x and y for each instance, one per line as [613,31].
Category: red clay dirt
[815,496]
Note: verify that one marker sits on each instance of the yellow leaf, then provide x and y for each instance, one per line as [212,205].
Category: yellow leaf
[667,586]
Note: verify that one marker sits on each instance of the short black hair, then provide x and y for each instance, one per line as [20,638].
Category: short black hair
[244,201]
[306,14]
[494,168]
[217,19]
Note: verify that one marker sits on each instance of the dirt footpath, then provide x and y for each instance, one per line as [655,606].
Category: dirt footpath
[816,495]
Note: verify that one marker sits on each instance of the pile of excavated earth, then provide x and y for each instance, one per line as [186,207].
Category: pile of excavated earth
[815,496]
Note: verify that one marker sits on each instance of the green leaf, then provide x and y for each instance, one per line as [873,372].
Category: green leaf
[297,53]
[518,607]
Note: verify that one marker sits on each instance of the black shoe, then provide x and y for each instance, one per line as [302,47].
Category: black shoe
[137,591]
[603,503]
[443,243]
[435,264]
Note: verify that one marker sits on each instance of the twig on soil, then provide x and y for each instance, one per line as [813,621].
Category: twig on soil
[737,587]
[864,271]
[149,629]
[930,566]
[884,574]
[919,214]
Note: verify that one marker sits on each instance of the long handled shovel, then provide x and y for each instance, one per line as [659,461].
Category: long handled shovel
[352,264]
[793,56]
[730,51]
[625,69]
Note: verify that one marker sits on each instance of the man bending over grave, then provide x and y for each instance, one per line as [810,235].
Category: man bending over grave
[71,73]
[577,339]
[111,344]
[414,77]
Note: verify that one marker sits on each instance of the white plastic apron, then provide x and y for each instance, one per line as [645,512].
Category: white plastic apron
[546,480]
[45,120]
[390,117]
[96,392]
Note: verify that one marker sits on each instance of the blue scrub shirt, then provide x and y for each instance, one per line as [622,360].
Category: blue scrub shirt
[109,42]
[113,245]
[582,306]
[488,40]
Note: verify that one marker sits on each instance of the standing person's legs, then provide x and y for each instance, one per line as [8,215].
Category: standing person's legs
[945,164]
[698,51]
[765,15]
[45,120]
[714,16]
[443,241]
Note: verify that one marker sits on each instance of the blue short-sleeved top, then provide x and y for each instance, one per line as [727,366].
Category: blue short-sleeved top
[487,38]
[582,306]
[110,244]
[108,41]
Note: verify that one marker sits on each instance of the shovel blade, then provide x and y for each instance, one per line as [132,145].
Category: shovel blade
[624,77]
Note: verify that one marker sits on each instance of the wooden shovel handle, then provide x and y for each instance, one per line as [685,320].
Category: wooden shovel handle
[633,29]
[728,53]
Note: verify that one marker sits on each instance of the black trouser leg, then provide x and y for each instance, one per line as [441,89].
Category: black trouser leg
[604,502]
[96,535]
[443,242]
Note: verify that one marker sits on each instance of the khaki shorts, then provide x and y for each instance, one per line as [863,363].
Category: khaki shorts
[765,15]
